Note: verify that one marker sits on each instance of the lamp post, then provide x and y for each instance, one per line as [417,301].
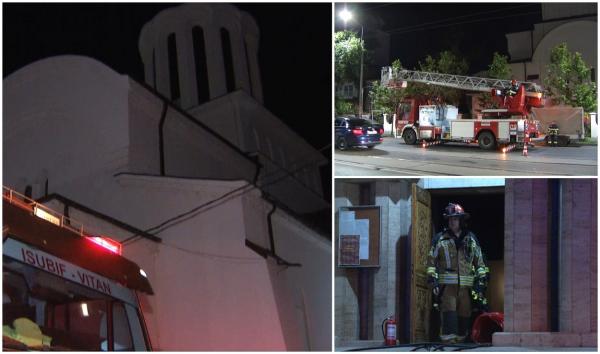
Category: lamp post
[346,16]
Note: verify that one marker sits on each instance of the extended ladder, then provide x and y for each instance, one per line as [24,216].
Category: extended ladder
[391,77]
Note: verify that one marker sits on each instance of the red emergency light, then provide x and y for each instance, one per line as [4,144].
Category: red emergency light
[106,243]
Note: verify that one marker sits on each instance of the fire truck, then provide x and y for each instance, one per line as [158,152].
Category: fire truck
[420,121]
[65,288]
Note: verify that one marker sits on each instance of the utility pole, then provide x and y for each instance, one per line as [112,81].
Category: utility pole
[360,89]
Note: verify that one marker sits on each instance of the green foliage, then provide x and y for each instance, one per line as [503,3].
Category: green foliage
[343,107]
[498,69]
[386,99]
[447,63]
[348,49]
[568,79]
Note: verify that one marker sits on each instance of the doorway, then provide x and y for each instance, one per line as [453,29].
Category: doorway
[486,208]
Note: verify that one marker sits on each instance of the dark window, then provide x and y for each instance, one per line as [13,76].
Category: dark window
[365,195]
[593,73]
[154,67]
[533,77]
[248,66]
[359,122]
[200,61]
[228,59]
[28,191]
[173,68]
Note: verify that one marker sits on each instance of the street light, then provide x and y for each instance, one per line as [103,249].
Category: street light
[346,16]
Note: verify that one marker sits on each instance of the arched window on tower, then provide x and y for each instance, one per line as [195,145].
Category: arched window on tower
[248,66]
[200,63]
[154,68]
[173,68]
[228,60]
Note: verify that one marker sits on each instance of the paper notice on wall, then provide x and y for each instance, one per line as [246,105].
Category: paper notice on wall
[362,229]
[347,223]
[347,216]
[349,249]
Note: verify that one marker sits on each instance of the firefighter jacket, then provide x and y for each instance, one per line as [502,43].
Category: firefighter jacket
[462,265]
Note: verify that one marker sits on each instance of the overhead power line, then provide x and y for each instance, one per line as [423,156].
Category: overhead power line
[466,22]
[425,24]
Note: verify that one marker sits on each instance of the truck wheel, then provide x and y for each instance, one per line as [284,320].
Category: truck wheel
[487,141]
[410,137]
[341,144]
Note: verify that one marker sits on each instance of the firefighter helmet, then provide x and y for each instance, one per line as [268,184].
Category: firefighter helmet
[513,82]
[454,209]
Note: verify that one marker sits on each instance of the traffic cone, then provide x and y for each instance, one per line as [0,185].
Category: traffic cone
[525,145]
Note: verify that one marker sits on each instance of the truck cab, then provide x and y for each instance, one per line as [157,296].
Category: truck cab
[66,289]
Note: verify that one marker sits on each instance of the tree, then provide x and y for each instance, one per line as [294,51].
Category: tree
[344,107]
[568,80]
[384,98]
[446,63]
[348,49]
[498,69]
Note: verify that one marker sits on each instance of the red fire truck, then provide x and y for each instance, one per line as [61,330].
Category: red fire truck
[65,288]
[419,121]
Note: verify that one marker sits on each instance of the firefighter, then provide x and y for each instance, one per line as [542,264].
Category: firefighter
[514,87]
[553,134]
[456,273]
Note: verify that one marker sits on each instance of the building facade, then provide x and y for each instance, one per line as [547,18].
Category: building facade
[530,231]
[575,24]
[208,191]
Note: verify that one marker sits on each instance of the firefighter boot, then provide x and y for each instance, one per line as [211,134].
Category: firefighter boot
[463,328]
[449,327]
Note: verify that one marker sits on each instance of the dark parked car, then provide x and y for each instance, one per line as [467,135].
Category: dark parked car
[352,132]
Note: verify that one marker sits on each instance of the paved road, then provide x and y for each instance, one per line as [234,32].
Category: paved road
[394,158]
[354,345]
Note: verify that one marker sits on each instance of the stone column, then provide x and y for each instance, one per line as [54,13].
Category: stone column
[394,199]
[526,255]
[578,260]
[346,283]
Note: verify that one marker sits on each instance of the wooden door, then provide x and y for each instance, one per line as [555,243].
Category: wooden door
[420,295]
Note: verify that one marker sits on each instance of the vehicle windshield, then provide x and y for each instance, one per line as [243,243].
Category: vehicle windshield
[405,111]
[42,311]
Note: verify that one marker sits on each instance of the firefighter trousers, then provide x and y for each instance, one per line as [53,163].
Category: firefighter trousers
[456,312]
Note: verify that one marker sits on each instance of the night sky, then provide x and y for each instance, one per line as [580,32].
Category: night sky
[474,30]
[295,50]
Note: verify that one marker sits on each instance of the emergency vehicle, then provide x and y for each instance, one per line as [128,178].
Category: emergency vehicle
[65,288]
[420,121]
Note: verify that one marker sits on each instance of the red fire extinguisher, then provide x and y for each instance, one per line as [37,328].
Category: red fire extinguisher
[389,330]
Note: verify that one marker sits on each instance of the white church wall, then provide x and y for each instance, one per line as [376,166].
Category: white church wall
[309,285]
[204,277]
[580,36]
[53,116]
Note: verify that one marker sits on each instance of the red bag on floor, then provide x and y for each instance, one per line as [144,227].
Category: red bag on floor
[485,325]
